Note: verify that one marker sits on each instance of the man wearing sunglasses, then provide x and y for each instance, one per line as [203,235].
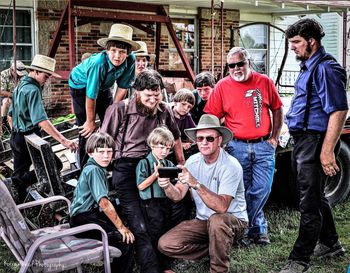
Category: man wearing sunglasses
[215,180]
[245,99]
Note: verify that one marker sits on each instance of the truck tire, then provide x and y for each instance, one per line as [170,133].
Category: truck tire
[338,187]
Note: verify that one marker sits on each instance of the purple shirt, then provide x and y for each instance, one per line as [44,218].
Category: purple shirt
[138,128]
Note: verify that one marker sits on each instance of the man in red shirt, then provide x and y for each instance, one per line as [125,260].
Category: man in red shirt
[245,98]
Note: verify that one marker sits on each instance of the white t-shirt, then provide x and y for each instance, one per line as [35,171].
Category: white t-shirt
[225,176]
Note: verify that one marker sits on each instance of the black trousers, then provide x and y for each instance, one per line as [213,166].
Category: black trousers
[124,182]
[104,99]
[316,220]
[123,264]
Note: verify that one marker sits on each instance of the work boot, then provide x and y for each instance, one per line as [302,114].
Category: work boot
[262,240]
[323,251]
[295,267]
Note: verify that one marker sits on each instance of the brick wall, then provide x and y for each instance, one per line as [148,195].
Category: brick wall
[56,94]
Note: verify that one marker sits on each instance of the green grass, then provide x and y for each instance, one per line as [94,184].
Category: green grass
[283,226]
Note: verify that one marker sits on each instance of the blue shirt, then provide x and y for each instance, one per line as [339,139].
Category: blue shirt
[27,109]
[328,93]
[92,186]
[98,73]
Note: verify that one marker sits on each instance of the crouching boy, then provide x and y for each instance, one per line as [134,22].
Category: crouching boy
[91,204]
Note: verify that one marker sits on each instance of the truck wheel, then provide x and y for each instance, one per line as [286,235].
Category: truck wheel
[338,187]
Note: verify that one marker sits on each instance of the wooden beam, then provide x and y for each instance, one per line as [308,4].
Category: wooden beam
[112,4]
[71,35]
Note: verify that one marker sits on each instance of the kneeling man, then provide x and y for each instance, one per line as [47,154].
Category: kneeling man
[215,179]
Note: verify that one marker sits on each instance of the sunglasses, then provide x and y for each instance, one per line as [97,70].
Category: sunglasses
[208,138]
[239,64]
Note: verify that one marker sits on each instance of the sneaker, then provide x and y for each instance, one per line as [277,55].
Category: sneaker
[295,267]
[262,239]
[323,251]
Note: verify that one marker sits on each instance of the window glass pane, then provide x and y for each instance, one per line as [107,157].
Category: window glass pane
[24,54]
[23,17]
[23,35]
[254,39]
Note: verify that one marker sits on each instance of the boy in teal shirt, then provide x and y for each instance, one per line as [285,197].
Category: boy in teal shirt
[160,213]
[90,82]
[91,204]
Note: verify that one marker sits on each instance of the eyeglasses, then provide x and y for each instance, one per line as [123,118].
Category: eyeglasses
[208,138]
[239,64]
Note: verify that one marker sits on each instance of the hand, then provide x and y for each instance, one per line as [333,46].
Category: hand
[128,237]
[87,129]
[163,182]
[186,145]
[185,177]
[329,164]
[73,146]
[273,142]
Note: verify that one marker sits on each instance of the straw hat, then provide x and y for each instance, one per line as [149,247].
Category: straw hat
[44,64]
[210,122]
[143,51]
[20,68]
[121,33]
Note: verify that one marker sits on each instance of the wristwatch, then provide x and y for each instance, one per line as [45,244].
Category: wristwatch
[197,186]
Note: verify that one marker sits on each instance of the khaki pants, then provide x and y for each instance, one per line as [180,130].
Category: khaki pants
[194,239]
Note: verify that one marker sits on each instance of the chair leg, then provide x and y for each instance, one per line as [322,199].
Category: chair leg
[79,269]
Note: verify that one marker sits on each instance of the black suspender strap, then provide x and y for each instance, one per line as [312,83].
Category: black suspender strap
[149,173]
[309,86]
[125,122]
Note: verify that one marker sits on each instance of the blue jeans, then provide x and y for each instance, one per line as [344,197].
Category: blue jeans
[258,163]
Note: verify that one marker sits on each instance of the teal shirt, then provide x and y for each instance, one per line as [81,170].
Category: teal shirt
[142,172]
[27,109]
[98,73]
[92,186]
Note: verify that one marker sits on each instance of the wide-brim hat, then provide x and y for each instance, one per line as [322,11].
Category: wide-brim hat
[44,64]
[20,68]
[121,33]
[143,51]
[210,122]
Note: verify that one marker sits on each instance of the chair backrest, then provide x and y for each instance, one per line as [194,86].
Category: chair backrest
[14,229]
[43,160]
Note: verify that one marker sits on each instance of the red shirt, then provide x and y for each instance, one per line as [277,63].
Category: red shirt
[245,105]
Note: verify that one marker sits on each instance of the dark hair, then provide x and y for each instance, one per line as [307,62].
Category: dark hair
[99,140]
[306,28]
[184,95]
[204,79]
[148,79]
[118,44]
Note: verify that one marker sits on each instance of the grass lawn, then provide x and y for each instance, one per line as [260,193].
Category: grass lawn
[283,225]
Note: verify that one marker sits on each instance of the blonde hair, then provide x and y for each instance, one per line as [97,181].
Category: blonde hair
[161,135]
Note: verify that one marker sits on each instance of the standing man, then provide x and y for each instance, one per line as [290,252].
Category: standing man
[91,80]
[7,85]
[28,116]
[130,122]
[204,84]
[315,120]
[216,182]
[245,98]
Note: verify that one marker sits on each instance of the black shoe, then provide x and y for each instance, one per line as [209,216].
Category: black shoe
[262,239]
[323,251]
[245,241]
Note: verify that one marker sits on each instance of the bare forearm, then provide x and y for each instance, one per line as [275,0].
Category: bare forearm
[147,182]
[334,128]
[175,192]
[48,127]
[218,203]
[4,93]
[120,94]
[179,154]
[110,212]
[277,122]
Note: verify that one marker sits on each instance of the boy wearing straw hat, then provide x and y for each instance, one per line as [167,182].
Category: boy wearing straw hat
[91,80]
[215,180]
[142,57]
[28,116]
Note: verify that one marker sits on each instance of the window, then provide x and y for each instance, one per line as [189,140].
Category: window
[185,32]
[23,34]
[255,39]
